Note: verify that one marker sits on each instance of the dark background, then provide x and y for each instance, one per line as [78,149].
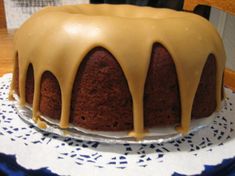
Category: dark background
[172,4]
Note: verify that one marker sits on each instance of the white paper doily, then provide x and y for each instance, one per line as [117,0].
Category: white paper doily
[35,149]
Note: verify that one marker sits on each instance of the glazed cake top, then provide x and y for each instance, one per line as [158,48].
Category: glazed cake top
[56,39]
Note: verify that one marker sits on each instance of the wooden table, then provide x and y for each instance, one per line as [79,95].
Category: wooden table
[6,51]
[6,58]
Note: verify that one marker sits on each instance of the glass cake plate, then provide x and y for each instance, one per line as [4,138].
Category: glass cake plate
[154,135]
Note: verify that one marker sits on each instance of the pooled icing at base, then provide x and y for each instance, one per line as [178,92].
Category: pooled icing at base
[56,39]
[41,123]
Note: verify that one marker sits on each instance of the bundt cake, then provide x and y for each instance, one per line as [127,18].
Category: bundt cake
[118,67]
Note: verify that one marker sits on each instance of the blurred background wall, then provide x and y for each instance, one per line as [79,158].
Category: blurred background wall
[17,11]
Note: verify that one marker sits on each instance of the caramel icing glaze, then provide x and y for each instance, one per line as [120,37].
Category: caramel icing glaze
[56,39]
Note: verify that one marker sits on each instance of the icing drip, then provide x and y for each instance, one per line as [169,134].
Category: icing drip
[56,39]
[41,123]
